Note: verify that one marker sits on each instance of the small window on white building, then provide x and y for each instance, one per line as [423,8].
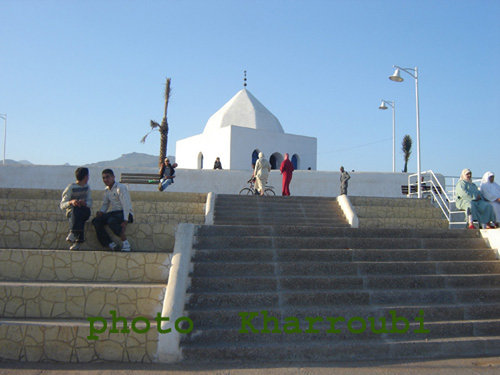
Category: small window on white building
[200,160]
[255,156]
[295,161]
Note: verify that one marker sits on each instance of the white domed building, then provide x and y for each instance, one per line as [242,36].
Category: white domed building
[237,132]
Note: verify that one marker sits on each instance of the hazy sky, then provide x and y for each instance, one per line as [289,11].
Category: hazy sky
[80,80]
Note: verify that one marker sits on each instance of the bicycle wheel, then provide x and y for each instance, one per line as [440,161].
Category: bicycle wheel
[269,192]
[246,191]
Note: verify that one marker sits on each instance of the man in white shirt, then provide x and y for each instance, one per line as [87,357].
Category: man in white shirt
[116,212]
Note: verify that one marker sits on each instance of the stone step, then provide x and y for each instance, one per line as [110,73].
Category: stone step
[316,283]
[342,255]
[405,223]
[388,202]
[138,218]
[427,212]
[215,317]
[338,350]
[65,340]
[311,222]
[299,231]
[287,269]
[97,195]
[140,207]
[79,300]
[337,223]
[52,235]
[234,198]
[252,300]
[379,330]
[64,265]
[279,207]
[270,242]
[278,213]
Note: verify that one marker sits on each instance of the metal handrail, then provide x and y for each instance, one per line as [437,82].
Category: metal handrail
[438,194]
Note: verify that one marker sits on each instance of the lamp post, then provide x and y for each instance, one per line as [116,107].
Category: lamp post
[397,78]
[383,106]
[4,117]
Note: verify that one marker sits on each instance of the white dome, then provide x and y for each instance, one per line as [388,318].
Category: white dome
[246,111]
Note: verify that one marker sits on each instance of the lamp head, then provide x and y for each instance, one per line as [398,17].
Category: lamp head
[396,77]
[382,105]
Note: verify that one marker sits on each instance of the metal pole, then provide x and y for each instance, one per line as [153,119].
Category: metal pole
[418,135]
[4,135]
[393,137]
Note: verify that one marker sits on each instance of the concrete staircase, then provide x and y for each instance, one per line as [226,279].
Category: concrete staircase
[276,261]
[297,211]
[48,293]
[378,212]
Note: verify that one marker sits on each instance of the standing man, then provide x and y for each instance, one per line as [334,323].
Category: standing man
[261,173]
[116,212]
[344,177]
[77,201]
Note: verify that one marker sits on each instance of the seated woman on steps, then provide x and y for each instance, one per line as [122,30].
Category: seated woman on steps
[491,192]
[469,199]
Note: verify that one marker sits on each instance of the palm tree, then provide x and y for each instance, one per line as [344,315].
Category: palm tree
[163,128]
[406,147]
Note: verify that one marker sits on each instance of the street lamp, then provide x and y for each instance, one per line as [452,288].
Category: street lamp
[4,117]
[397,78]
[384,107]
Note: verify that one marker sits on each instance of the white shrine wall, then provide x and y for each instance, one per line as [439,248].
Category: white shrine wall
[307,183]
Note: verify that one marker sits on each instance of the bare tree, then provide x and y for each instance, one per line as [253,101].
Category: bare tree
[163,128]
[406,147]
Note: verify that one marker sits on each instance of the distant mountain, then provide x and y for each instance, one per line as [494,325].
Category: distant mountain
[132,160]
[14,162]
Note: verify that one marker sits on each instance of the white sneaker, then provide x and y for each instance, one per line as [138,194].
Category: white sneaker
[126,246]
[75,246]
[112,246]
[71,238]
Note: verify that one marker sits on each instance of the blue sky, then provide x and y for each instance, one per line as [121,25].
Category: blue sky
[80,80]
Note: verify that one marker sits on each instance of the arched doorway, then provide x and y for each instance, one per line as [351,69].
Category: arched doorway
[255,156]
[200,160]
[275,160]
[295,161]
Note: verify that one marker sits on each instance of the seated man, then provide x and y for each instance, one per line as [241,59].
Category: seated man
[167,174]
[77,201]
[116,212]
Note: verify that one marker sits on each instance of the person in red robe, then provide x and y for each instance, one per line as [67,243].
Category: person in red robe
[286,169]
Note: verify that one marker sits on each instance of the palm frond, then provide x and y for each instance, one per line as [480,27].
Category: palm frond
[153,125]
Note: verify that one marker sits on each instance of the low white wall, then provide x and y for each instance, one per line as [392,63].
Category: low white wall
[308,183]
[493,238]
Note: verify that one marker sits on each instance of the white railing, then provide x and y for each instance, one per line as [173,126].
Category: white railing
[443,197]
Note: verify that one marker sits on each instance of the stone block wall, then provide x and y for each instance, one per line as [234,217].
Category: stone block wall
[48,293]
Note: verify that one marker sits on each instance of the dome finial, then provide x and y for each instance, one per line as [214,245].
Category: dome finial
[244,78]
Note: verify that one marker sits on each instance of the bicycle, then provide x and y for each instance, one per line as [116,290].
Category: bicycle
[268,190]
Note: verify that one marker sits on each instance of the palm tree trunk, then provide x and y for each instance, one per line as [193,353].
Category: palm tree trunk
[164,126]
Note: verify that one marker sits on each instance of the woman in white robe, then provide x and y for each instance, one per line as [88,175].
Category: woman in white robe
[491,192]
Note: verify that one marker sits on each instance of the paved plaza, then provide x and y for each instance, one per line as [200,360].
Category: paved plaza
[435,367]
